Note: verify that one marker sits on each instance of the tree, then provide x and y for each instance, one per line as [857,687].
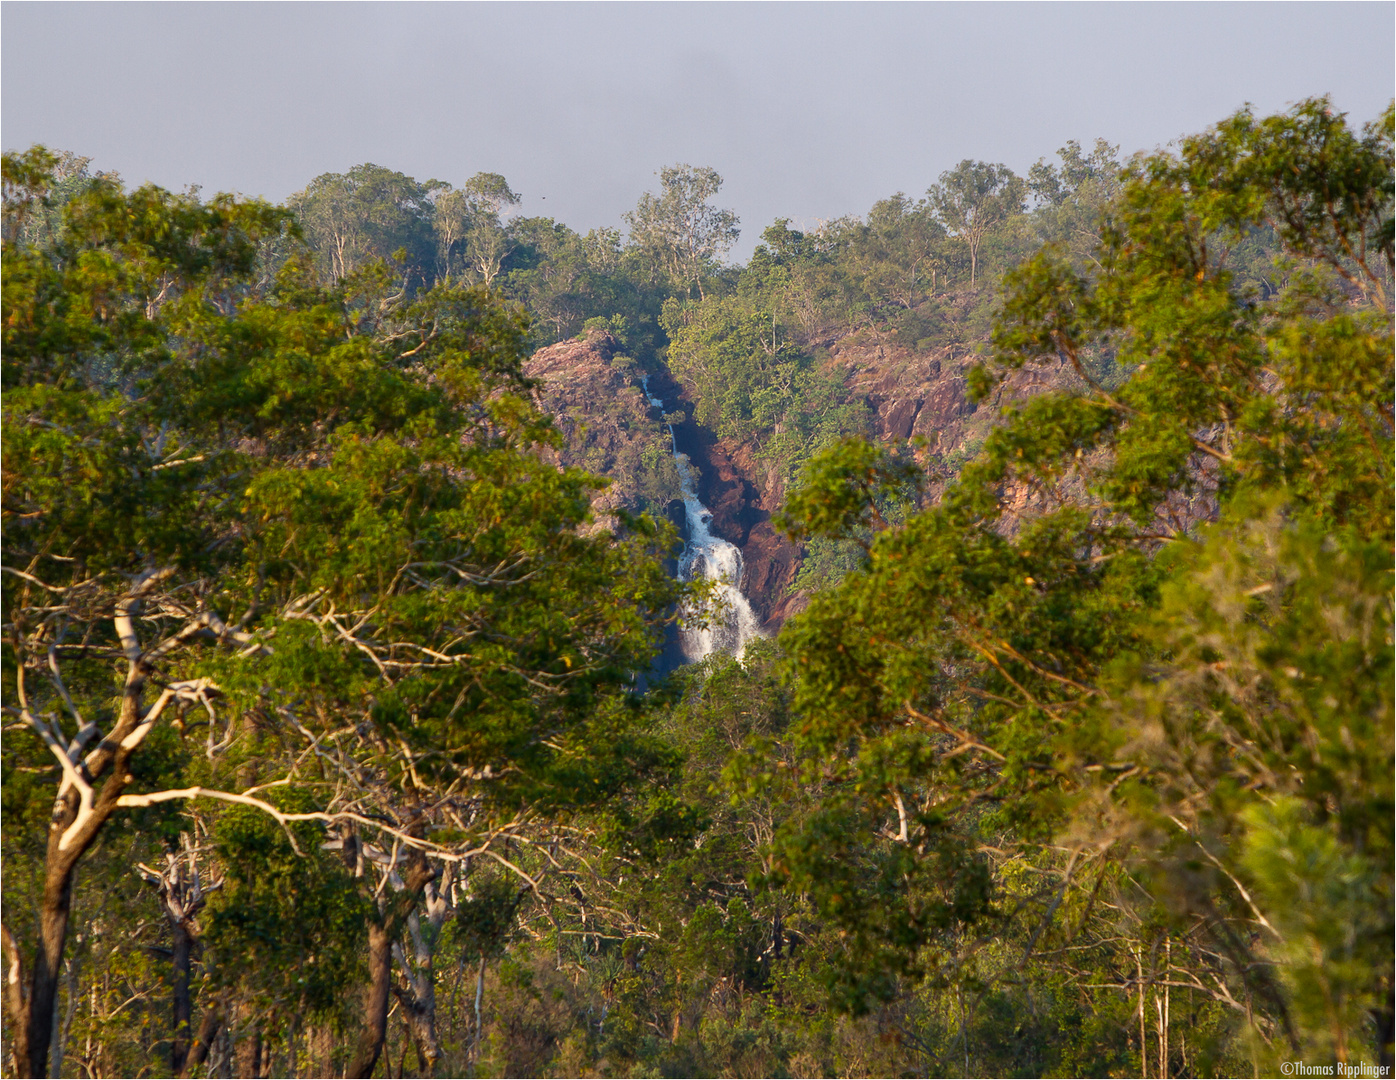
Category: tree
[99,504]
[451,222]
[367,213]
[679,229]
[35,191]
[749,381]
[467,223]
[972,199]
[1097,680]
[551,274]
[903,250]
[1054,185]
[1070,196]
[489,194]
[289,512]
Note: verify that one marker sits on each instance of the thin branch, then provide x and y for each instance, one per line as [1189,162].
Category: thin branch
[1260,918]
[965,738]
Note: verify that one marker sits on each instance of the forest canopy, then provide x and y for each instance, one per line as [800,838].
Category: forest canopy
[334,743]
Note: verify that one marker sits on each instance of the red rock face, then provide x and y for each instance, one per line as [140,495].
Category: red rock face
[742,515]
[595,394]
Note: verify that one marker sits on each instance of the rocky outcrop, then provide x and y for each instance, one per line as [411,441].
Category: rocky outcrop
[909,394]
[913,394]
[594,392]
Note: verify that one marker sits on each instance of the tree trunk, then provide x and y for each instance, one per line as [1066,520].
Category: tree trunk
[1385,1019]
[54,910]
[381,933]
[418,997]
[182,896]
[380,968]
[249,1047]
[479,1000]
[418,1000]
[83,815]
[1143,1033]
[16,1002]
[208,1031]
[55,1046]
[183,1003]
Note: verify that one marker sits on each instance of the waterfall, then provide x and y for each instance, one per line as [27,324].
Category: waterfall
[726,623]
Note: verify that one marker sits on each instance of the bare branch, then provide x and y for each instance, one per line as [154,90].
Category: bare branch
[966,739]
[130,605]
[189,690]
[1259,916]
[33,579]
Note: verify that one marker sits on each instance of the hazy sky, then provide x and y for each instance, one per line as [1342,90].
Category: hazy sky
[809,111]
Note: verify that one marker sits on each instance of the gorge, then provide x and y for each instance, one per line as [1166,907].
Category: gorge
[725,622]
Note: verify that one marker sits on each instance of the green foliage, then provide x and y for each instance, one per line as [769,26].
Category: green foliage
[471,240]
[679,233]
[1078,762]
[367,214]
[1263,725]
[282,459]
[749,381]
[972,199]
[1072,196]
[1328,901]
[1012,658]
[846,490]
[565,280]
[285,929]
[485,919]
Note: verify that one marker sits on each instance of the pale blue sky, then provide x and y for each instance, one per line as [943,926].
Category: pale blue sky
[809,111]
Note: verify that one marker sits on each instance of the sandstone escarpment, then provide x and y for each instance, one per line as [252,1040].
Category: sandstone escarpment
[593,390]
[926,394]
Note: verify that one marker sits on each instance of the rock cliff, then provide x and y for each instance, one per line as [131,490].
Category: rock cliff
[594,392]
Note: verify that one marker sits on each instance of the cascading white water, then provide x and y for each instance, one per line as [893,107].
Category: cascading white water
[726,623]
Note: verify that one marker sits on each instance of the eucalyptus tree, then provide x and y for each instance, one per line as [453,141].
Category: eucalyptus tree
[368,213]
[489,243]
[309,518]
[551,275]
[679,229]
[101,499]
[470,232]
[1071,195]
[1063,662]
[972,199]
[1053,185]
[902,249]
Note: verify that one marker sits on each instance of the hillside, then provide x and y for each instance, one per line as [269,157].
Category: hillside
[593,391]
[335,740]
